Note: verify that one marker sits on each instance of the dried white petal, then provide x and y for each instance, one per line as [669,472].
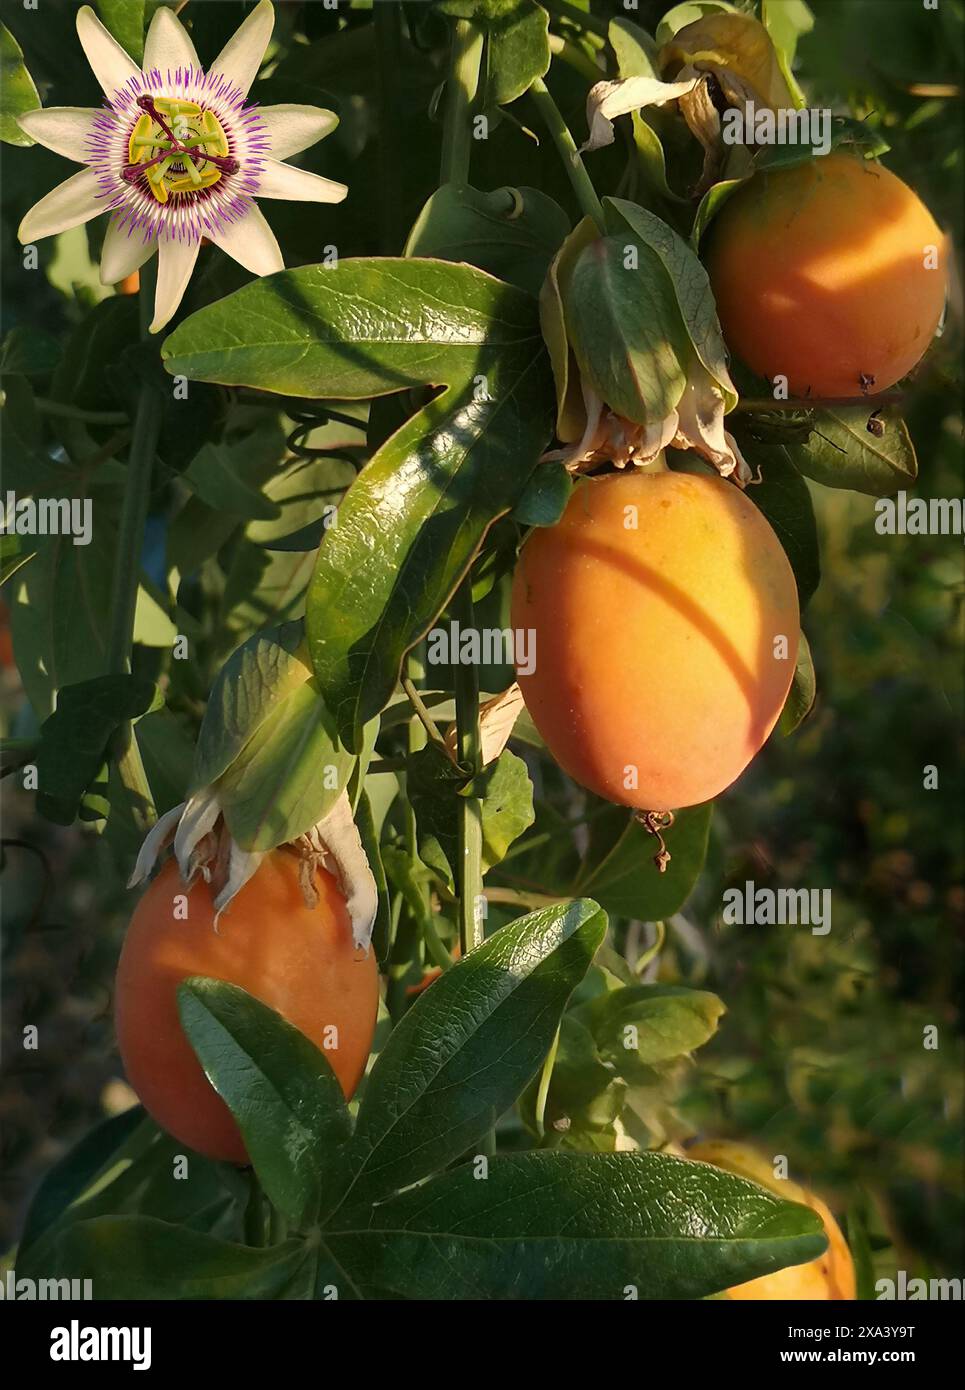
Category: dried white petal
[160,834]
[242,863]
[337,834]
[607,100]
[496,719]
[701,427]
[199,816]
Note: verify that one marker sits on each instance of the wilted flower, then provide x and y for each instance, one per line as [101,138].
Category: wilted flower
[177,153]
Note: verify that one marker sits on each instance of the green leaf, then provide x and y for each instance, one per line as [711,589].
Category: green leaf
[289,774]
[689,281]
[258,676]
[468,1046]
[512,233]
[125,20]
[280,1088]
[75,738]
[783,496]
[625,330]
[368,834]
[29,352]
[12,555]
[626,881]
[105,337]
[517,53]
[410,526]
[18,94]
[71,1175]
[213,476]
[803,691]
[139,1257]
[435,786]
[785,22]
[545,496]
[643,1025]
[842,452]
[353,330]
[571,1226]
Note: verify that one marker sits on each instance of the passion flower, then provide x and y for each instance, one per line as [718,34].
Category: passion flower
[176,154]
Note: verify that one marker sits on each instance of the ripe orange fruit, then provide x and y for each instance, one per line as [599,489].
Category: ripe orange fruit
[299,960]
[666,626]
[831,1276]
[821,274]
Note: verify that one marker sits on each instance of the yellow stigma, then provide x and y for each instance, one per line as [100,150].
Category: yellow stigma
[177,172]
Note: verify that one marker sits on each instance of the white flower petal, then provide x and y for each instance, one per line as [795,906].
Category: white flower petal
[110,64]
[168,45]
[292,129]
[63,129]
[239,60]
[279,180]
[198,817]
[124,251]
[251,242]
[68,205]
[175,262]
[160,833]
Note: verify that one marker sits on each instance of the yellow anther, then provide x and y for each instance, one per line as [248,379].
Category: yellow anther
[215,140]
[176,106]
[141,141]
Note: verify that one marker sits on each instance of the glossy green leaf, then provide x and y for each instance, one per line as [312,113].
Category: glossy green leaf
[468,1046]
[280,1088]
[643,1025]
[18,94]
[842,451]
[570,1226]
[626,881]
[512,233]
[139,1257]
[410,525]
[352,330]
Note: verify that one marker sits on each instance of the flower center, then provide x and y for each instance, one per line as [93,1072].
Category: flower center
[177,147]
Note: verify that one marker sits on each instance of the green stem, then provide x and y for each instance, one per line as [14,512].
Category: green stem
[467,47]
[546,1076]
[127,564]
[581,18]
[559,133]
[423,715]
[74,412]
[515,897]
